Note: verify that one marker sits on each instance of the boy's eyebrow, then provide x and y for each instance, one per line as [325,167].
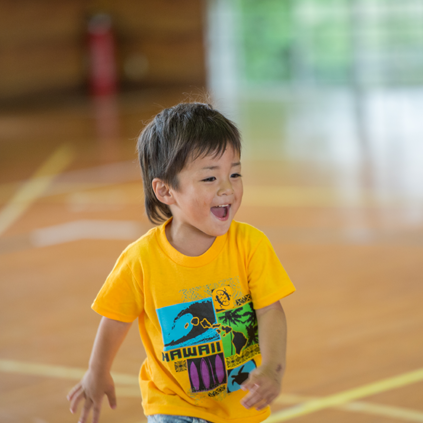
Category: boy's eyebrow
[217,167]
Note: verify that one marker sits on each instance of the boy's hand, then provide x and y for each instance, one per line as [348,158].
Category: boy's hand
[264,385]
[92,389]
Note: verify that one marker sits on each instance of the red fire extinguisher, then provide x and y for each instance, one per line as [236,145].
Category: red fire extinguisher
[102,56]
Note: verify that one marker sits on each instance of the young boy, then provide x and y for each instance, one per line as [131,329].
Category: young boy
[205,288]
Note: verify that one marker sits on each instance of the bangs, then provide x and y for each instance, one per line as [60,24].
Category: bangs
[215,147]
[203,135]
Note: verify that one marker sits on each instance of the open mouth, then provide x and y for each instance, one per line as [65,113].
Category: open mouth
[221,212]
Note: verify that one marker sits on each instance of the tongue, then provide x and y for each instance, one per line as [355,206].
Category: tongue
[219,211]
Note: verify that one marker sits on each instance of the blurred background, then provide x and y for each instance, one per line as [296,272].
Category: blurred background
[329,99]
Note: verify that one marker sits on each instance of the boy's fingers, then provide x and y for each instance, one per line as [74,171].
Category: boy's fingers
[248,385]
[252,386]
[96,413]
[268,399]
[251,398]
[258,402]
[73,391]
[85,411]
[262,404]
[252,381]
[76,398]
[252,402]
[258,395]
[261,391]
[111,396]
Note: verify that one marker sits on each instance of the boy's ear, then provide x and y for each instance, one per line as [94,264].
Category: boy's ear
[162,191]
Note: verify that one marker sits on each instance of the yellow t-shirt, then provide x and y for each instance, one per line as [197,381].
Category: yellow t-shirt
[196,319]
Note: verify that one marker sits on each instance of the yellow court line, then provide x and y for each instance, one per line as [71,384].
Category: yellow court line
[62,372]
[132,389]
[364,407]
[35,186]
[346,396]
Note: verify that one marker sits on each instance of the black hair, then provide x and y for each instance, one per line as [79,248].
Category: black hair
[182,132]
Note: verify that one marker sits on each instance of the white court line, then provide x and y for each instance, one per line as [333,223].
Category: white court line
[87,229]
[128,392]
[290,196]
[119,173]
[35,186]
[61,372]
[131,390]
[384,410]
[97,229]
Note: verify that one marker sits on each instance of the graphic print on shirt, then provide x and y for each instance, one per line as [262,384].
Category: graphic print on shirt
[211,341]
[189,352]
[223,298]
[205,291]
[188,324]
[243,329]
[239,375]
[207,373]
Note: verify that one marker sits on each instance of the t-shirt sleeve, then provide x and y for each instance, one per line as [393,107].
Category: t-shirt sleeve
[121,297]
[268,280]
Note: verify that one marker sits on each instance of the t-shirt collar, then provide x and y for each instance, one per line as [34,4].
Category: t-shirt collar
[188,261]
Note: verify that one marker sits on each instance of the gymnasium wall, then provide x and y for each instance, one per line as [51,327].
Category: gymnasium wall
[43,45]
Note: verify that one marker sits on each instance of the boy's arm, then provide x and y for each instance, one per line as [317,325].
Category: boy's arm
[264,383]
[98,382]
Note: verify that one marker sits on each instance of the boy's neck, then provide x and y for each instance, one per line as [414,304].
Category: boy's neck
[187,240]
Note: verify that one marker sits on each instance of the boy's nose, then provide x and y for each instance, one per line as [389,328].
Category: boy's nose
[226,188]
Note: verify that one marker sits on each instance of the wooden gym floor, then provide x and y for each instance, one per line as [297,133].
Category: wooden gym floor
[71,200]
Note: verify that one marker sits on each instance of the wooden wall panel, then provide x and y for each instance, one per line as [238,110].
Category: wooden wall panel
[41,68]
[40,47]
[168,34]
[26,21]
[42,44]
[170,61]
[160,16]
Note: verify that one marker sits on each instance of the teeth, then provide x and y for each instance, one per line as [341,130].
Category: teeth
[223,205]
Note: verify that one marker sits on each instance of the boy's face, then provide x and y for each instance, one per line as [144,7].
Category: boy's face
[209,193]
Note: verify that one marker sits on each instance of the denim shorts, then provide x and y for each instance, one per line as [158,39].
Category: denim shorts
[166,418]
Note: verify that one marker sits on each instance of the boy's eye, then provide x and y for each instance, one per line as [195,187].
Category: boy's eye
[236,175]
[211,179]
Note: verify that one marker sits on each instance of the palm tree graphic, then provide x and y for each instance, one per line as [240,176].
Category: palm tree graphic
[232,317]
[252,334]
[251,325]
[250,315]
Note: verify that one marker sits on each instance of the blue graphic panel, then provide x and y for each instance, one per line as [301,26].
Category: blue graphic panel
[188,324]
[237,376]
